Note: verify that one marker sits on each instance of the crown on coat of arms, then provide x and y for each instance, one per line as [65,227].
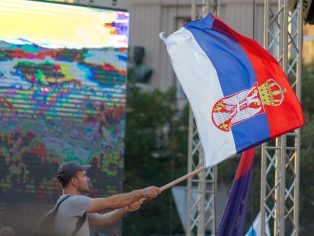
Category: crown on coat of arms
[271,93]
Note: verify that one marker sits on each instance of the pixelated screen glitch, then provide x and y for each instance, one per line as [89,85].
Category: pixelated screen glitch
[62,98]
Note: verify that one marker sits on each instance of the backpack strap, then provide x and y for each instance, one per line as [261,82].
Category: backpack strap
[79,224]
[55,208]
[45,224]
[80,221]
[51,216]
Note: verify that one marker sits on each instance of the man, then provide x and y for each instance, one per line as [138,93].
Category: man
[74,181]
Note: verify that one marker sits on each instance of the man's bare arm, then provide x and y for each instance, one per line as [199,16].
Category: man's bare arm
[106,219]
[121,200]
[112,217]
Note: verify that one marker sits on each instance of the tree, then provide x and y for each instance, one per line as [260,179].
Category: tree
[156,150]
[307,153]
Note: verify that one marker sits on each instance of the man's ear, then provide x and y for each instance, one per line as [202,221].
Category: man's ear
[73,181]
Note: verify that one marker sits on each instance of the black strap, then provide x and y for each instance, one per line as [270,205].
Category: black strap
[79,223]
[55,208]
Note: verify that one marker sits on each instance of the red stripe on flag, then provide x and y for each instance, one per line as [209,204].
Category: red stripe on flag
[266,67]
[246,163]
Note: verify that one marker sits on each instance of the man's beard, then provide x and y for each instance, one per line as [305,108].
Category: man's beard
[83,190]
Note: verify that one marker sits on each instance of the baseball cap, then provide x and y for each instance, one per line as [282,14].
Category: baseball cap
[68,169]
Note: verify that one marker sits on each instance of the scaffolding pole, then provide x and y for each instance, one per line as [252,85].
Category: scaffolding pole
[280,159]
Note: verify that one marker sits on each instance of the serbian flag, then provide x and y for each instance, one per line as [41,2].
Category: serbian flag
[233,220]
[239,95]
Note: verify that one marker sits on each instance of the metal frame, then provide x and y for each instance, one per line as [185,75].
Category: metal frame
[280,174]
[201,211]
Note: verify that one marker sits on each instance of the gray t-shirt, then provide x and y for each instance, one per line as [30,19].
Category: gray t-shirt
[68,215]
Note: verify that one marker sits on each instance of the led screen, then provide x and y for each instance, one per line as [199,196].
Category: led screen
[62,98]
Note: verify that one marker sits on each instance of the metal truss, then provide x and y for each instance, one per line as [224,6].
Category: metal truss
[200,210]
[280,167]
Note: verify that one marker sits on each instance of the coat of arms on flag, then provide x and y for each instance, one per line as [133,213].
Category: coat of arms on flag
[245,104]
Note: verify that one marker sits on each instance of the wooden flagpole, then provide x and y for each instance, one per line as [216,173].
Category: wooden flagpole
[194,172]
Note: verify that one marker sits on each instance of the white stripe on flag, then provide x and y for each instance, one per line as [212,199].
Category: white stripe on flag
[200,83]
[255,229]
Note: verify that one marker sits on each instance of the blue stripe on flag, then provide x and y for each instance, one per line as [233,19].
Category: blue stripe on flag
[254,131]
[252,232]
[235,73]
[233,67]
[233,220]
[232,223]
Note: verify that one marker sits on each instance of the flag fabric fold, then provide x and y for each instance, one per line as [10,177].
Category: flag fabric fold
[233,220]
[239,95]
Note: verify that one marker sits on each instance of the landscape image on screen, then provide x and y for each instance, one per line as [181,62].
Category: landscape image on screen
[62,98]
